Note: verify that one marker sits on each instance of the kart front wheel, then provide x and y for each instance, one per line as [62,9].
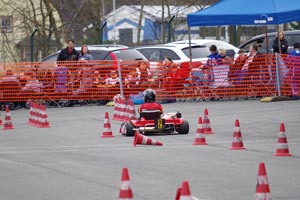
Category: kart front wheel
[184,128]
[129,129]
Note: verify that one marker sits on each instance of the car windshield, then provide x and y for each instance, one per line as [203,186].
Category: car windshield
[98,54]
[128,54]
[197,52]
[220,44]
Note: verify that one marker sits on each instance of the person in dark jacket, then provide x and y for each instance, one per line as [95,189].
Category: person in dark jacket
[282,43]
[69,53]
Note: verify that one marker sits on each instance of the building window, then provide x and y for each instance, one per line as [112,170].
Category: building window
[6,23]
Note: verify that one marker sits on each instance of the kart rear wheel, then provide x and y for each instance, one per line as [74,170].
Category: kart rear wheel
[129,129]
[184,128]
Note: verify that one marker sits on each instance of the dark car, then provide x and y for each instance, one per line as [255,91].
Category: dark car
[260,41]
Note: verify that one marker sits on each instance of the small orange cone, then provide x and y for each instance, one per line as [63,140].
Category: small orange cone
[123,109]
[0,120]
[132,114]
[116,108]
[7,120]
[38,114]
[142,139]
[185,193]
[282,144]
[206,123]
[262,186]
[43,120]
[178,192]
[200,137]
[237,142]
[30,119]
[106,127]
[125,190]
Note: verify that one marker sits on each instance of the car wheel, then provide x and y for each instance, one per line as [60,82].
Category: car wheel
[129,129]
[184,128]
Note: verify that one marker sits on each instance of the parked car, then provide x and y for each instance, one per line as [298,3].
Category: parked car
[177,52]
[230,49]
[105,52]
[259,40]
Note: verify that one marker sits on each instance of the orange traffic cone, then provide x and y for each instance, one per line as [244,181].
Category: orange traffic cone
[206,123]
[185,193]
[0,120]
[106,127]
[43,119]
[7,120]
[142,139]
[178,192]
[116,108]
[262,186]
[237,142]
[200,137]
[282,145]
[123,109]
[38,115]
[132,114]
[30,118]
[125,190]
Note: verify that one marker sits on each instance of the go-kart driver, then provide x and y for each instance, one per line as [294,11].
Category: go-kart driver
[149,101]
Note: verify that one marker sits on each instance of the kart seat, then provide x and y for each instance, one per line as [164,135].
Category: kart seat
[150,114]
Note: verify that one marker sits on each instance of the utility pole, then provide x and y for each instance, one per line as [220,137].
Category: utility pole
[114,21]
[32,43]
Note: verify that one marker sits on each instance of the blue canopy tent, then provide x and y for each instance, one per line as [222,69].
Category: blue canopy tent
[248,12]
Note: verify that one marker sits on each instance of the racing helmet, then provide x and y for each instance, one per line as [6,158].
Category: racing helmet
[149,95]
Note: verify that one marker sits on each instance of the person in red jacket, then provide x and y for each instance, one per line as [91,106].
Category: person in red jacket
[149,102]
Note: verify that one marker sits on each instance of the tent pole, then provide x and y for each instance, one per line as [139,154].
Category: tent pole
[267,39]
[278,81]
[279,45]
[190,44]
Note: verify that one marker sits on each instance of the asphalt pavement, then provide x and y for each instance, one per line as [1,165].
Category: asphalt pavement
[71,161]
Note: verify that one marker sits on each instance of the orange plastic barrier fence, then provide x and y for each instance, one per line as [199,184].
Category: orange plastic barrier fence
[99,80]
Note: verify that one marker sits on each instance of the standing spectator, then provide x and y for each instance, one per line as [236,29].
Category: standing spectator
[69,53]
[85,54]
[294,60]
[280,44]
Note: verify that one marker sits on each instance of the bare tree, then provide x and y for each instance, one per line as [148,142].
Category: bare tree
[140,23]
[28,15]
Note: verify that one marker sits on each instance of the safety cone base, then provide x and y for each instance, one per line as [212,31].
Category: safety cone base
[44,126]
[199,143]
[282,154]
[8,128]
[237,148]
[107,136]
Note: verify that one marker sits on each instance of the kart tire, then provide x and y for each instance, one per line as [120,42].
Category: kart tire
[184,128]
[129,129]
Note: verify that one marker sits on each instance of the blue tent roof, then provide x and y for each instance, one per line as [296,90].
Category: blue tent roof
[246,12]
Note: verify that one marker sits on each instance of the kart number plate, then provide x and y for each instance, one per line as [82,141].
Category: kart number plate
[159,123]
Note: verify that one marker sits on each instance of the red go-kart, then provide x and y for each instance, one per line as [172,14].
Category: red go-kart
[155,122]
